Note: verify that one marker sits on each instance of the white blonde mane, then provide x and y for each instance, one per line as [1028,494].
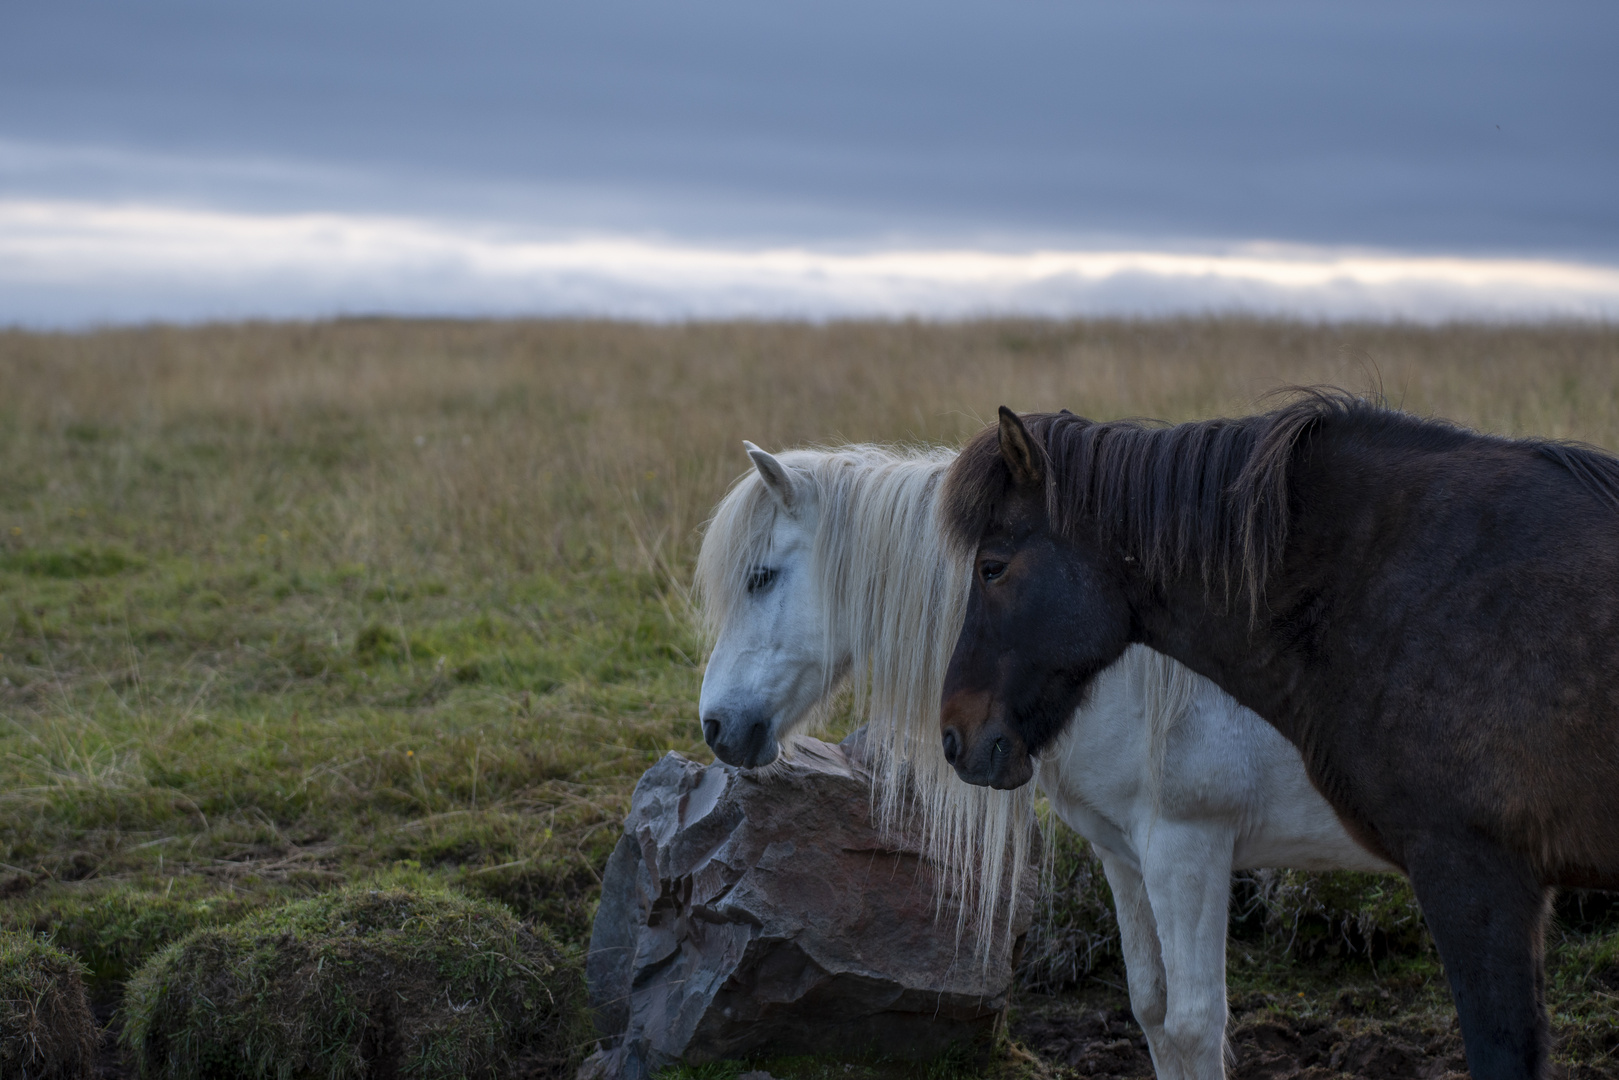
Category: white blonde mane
[895,594]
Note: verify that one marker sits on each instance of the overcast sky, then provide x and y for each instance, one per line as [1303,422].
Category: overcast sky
[1472,130]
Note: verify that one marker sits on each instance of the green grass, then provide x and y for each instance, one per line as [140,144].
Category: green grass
[258,730]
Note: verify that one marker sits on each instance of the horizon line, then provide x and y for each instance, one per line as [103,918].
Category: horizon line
[63,261]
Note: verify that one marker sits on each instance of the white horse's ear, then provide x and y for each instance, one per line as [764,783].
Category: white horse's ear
[775,476]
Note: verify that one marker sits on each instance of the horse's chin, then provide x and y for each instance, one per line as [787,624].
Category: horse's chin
[1011,774]
[778,745]
[755,759]
[765,757]
[1015,774]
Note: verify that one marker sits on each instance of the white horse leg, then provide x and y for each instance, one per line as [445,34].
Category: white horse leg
[1187,870]
[1143,957]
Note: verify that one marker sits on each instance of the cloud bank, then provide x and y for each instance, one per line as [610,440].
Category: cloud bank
[69,263]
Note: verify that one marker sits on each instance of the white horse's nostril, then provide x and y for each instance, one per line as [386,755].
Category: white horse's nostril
[711,731]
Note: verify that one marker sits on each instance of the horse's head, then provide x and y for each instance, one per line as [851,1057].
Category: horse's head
[1045,613]
[769,667]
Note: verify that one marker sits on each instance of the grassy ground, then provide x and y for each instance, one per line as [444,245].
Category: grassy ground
[282,606]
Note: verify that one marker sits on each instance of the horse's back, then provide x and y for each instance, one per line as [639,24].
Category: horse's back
[1483,594]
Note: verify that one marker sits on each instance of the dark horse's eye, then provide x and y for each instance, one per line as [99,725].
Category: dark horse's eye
[761,578]
[990,569]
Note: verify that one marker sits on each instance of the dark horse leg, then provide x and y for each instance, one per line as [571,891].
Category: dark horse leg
[1487,912]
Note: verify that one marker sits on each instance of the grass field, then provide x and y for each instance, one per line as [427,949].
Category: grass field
[282,606]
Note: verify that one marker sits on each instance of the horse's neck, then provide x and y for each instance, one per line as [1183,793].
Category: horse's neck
[1217,639]
[1254,655]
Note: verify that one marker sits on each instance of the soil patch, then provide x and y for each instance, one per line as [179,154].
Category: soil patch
[111,1064]
[1094,1035]
[1107,1043]
[1284,1048]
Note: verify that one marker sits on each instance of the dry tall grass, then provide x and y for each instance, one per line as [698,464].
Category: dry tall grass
[490,445]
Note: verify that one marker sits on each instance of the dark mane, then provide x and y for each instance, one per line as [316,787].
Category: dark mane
[1210,494]
[1592,466]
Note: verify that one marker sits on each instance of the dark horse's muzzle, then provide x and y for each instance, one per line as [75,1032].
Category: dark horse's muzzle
[980,746]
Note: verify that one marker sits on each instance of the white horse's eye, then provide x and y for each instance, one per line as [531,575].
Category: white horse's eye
[761,578]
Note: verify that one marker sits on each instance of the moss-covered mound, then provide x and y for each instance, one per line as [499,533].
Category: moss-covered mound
[365,982]
[116,926]
[46,1030]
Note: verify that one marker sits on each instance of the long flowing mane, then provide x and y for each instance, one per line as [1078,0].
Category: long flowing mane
[895,598]
[1208,495]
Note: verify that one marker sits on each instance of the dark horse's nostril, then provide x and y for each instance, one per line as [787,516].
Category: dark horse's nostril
[952,745]
[711,731]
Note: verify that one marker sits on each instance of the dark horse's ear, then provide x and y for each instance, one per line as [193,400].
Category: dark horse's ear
[1017,447]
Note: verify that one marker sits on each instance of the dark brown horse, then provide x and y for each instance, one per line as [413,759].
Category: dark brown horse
[1429,614]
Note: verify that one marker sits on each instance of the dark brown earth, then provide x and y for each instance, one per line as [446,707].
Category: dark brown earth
[1076,1037]
[110,1064]
[1264,1046]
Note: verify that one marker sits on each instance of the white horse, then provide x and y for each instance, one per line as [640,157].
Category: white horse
[822,564]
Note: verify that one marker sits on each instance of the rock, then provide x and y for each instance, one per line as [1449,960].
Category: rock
[744,912]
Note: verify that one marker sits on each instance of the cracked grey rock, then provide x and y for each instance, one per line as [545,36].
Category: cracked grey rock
[748,912]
